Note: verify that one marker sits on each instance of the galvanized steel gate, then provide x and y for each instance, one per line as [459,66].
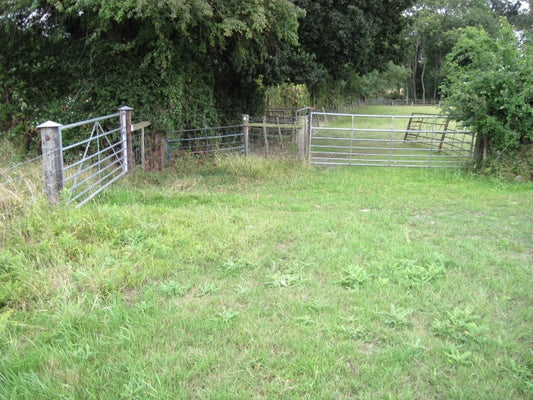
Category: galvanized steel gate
[419,140]
[77,172]
[92,164]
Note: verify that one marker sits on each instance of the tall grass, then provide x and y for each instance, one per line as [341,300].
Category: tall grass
[21,182]
[259,278]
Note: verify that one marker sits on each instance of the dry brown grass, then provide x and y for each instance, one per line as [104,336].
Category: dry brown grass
[9,199]
[20,186]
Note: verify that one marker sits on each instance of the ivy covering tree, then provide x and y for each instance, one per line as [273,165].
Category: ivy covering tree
[178,62]
[489,88]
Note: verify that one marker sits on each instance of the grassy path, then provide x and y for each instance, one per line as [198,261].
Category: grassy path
[259,279]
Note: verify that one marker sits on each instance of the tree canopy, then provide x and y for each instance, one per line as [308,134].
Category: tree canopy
[343,40]
[435,29]
[346,36]
[180,62]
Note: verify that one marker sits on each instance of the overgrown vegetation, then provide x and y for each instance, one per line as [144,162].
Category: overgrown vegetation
[258,278]
[179,63]
[489,89]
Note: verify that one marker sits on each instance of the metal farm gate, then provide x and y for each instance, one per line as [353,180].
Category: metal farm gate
[99,152]
[418,140]
[92,164]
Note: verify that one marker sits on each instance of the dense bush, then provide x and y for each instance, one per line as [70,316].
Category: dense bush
[179,63]
[489,88]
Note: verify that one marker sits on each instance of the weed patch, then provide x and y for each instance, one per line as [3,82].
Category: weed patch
[354,277]
[459,325]
[416,272]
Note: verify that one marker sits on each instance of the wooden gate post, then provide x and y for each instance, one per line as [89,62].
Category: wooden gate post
[165,156]
[160,151]
[302,136]
[52,160]
[308,124]
[246,131]
[127,142]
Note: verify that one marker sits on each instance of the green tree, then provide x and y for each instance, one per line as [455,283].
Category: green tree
[489,88]
[433,34]
[342,40]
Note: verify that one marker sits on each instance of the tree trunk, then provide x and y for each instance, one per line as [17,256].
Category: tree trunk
[481,149]
[422,76]
[414,70]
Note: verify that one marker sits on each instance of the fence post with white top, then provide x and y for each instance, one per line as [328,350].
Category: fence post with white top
[127,142]
[246,133]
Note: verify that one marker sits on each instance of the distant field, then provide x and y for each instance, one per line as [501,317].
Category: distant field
[397,110]
[394,110]
[267,279]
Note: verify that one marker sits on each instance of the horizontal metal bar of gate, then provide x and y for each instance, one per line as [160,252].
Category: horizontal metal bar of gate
[387,140]
[101,162]
[100,185]
[84,160]
[89,121]
[77,144]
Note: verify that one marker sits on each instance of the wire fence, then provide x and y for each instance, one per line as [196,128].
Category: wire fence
[399,102]
[206,142]
[95,160]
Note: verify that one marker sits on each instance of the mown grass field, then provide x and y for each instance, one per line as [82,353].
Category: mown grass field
[268,279]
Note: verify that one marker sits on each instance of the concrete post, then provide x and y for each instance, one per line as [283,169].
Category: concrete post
[265,135]
[52,160]
[246,131]
[127,142]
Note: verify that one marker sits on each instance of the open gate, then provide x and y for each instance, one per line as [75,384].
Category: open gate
[419,140]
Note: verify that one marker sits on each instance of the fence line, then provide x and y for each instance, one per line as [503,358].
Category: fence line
[285,133]
[90,165]
[399,102]
[23,163]
[229,139]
